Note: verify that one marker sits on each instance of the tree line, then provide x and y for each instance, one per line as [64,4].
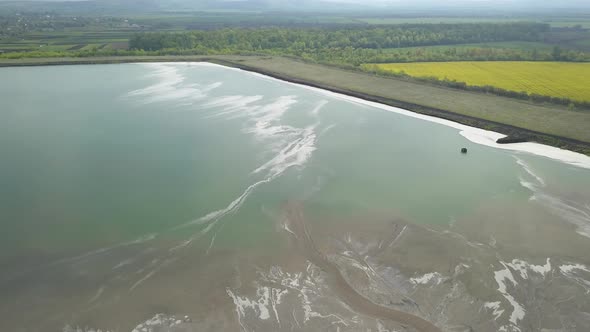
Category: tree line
[352,47]
[358,57]
[358,45]
[296,40]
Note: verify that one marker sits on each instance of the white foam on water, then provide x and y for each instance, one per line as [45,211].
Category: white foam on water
[159,322]
[574,272]
[267,118]
[123,263]
[569,268]
[170,86]
[293,146]
[211,243]
[577,214]
[98,294]
[528,169]
[294,153]
[504,276]
[495,306]
[434,278]
[285,226]
[316,110]
[523,267]
[182,244]
[326,130]
[259,305]
[233,106]
[501,277]
[231,102]
[275,300]
[304,287]
[100,251]
[142,239]
[234,205]
[572,212]
[542,269]
[475,135]
[381,328]
[510,328]
[69,328]
[158,266]
[144,278]
[518,268]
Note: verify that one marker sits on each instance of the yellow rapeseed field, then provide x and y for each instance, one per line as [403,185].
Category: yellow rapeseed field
[555,79]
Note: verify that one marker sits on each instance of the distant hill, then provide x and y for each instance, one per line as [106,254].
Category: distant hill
[479,7]
[332,5]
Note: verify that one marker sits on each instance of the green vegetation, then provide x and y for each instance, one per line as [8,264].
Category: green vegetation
[556,82]
[299,40]
[50,32]
[349,46]
[555,21]
[336,45]
[353,45]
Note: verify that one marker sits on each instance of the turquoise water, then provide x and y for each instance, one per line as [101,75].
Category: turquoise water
[101,156]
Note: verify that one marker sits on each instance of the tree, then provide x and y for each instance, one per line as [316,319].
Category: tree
[556,53]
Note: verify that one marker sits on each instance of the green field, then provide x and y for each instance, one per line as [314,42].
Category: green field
[555,79]
[436,19]
[555,21]
[560,22]
[64,40]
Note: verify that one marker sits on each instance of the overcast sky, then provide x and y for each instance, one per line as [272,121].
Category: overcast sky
[500,4]
[382,2]
[523,3]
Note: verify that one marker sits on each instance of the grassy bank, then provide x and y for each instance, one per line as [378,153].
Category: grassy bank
[552,125]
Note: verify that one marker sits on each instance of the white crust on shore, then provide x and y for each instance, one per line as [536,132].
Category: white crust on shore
[475,135]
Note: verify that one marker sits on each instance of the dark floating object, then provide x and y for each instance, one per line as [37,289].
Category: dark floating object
[512,139]
[463,150]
